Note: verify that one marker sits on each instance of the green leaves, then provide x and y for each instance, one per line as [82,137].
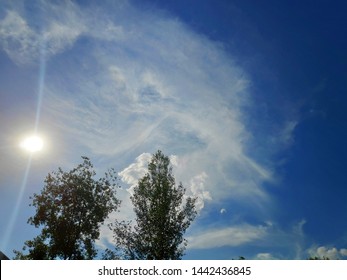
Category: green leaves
[163,214]
[73,205]
[69,210]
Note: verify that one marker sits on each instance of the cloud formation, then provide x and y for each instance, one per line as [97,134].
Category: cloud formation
[133,88]
[136,170]
[264,256]
[323,252]
[228,236]
[23,42]
[122,83]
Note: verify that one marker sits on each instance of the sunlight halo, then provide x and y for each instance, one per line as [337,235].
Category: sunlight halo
[32,144]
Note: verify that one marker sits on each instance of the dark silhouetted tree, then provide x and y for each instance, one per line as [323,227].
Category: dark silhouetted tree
[70,210]
[163,214]
[315,258]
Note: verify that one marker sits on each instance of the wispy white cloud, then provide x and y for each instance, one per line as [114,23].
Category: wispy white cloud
[267,235]
[298,228]
[18,40]
[59,29]
[179,92]
[228,236]
[264,256]
[121,81]
[286,135]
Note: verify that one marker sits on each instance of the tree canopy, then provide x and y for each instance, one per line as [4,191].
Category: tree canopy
[163,214]
[70,210]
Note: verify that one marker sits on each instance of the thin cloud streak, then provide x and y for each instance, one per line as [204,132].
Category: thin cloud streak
[228,236]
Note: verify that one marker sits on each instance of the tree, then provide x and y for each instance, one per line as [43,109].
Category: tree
[38,250]
[163,214]
[315,258]
[70,210]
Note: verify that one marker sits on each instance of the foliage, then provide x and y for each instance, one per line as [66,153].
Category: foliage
[110,255]
[315,258]
[70,210]
[163,214]
[38,250]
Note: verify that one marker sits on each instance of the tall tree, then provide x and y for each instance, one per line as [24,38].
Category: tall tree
[163,214]
[69,210]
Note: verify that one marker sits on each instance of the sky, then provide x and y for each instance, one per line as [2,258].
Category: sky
[247,98]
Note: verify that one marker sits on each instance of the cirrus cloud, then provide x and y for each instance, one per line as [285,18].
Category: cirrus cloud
[121,82]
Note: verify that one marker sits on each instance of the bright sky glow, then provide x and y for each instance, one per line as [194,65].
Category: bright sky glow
[32,144]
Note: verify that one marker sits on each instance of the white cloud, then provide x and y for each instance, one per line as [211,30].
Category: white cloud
[198,189]
[331,253]
[298,228]
[17,38]
[24,43]
[264,256]
[60,36]
[286,135]
[228,236]
[343,252]
[136,170]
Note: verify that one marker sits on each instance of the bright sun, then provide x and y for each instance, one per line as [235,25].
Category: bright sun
[32,144]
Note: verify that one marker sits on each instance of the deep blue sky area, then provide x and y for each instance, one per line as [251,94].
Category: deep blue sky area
[247,97]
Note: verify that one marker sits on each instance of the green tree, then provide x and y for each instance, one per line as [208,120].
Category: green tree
[38,250]
[70,210]
[163,214]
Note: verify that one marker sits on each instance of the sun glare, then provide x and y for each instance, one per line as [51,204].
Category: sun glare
[32,144]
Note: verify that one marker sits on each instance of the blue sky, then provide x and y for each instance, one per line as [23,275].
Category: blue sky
[246,97]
